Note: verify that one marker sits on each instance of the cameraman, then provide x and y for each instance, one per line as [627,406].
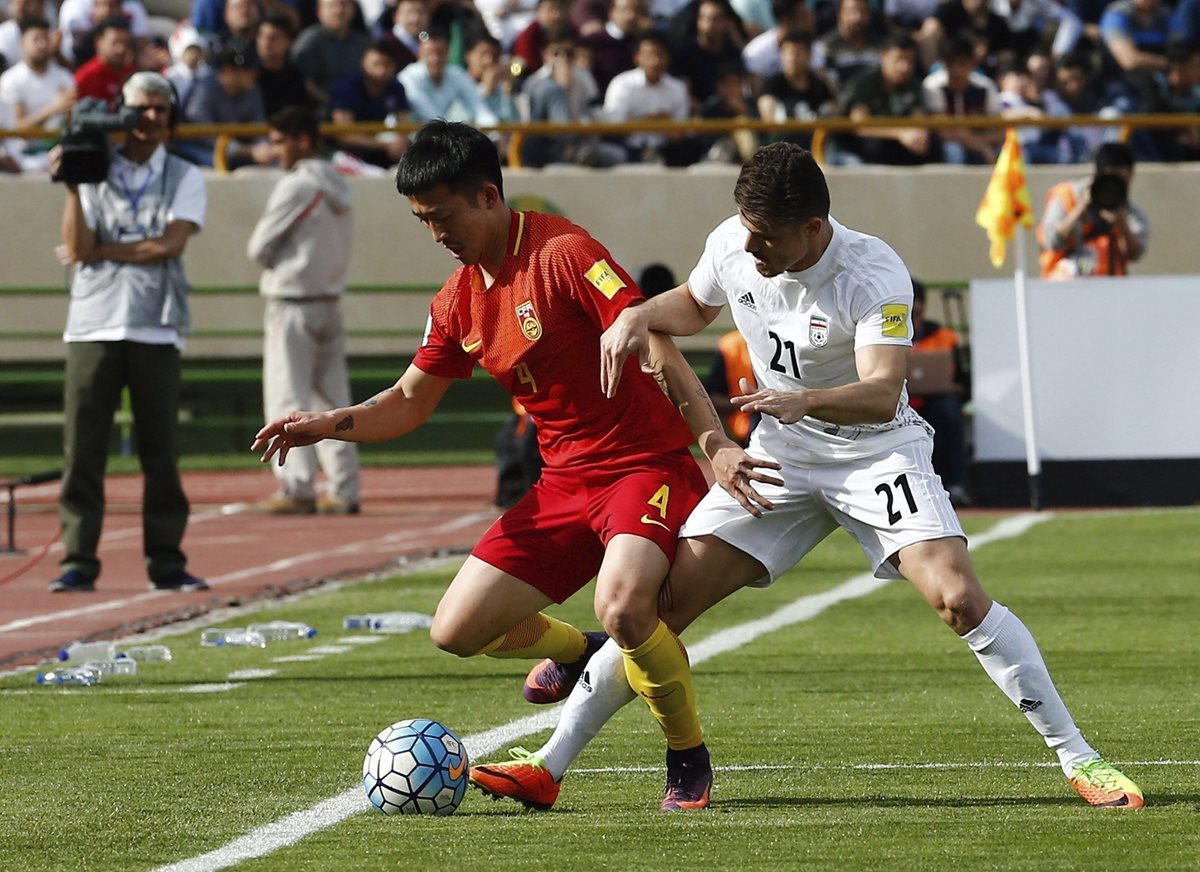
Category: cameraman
[1089,227]
[127,316]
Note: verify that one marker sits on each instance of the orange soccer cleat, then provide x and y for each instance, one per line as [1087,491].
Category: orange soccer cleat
[1102,784]
[524,778]
[689,779]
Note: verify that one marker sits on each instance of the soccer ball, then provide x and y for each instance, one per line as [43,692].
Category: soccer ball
[416,766]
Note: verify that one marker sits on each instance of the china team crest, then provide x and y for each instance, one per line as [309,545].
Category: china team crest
[818,330]
[530,325]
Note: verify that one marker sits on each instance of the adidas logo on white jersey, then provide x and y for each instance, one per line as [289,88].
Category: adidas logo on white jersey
[747,300]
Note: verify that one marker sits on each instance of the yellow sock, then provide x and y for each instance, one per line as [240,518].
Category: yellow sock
[536,637]
[659,672]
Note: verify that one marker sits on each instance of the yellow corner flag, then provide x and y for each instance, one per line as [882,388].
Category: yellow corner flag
[1007,199]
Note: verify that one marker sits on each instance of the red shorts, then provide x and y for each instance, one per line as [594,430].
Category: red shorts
[554,538]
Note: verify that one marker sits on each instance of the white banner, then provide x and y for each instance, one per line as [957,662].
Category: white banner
[1115,363]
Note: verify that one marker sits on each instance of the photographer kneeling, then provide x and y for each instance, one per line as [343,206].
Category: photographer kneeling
[125,230]
[1089,227]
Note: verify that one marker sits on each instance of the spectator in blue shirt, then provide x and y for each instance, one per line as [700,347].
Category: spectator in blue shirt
[373,94]
[435,89]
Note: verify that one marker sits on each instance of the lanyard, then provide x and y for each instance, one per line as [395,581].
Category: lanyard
[133,198]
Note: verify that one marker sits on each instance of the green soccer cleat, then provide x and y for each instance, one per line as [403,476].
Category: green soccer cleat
[1102,784]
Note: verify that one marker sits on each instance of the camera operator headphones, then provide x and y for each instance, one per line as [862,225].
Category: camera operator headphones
[173,115]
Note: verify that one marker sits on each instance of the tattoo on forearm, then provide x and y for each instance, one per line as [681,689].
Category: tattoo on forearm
[347,423]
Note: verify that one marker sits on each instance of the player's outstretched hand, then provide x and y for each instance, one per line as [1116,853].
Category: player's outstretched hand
[283,434]
[736,471]
[627,335]
[788,406]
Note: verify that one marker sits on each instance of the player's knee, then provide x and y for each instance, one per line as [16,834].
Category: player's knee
[628,619]
[961,603]
[452,637]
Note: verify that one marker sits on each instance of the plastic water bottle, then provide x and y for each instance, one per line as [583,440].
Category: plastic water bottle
[69,675]
[282,631]
[147,653]
[388,622]
[119,667]
[229,637]
[78,652]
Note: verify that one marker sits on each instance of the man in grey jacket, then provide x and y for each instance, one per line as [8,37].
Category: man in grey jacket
[303,241]
[125,327]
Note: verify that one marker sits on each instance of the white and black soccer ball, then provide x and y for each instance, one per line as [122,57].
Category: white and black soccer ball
[416,766]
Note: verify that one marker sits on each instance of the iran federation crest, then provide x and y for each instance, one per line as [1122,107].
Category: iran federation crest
[818,330]
[530,325]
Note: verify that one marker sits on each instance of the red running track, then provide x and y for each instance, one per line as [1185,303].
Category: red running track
[406,514]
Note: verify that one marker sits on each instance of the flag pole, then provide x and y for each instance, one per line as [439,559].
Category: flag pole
[1033,463]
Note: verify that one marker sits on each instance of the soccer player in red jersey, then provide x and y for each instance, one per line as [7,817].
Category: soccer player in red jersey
[529,303]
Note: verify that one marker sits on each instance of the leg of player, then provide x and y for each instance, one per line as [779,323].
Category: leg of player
[487,611]
[941,570]
[656,663]
[706,570]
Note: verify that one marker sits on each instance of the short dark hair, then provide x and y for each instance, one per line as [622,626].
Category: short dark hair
[782,184]
[27,24]
[902,41]
[389,48]
[918,289]
[480,38]
[296,121]
[281,23]
[797,35]
[449,153]
[562,33]
[1114,155]
[957,47]
[113,22]
[654,36]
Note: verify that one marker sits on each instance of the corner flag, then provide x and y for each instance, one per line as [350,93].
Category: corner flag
[1006,202]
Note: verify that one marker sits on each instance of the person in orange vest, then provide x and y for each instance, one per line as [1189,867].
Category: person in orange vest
[730,364]
[943,410]
[1089,227]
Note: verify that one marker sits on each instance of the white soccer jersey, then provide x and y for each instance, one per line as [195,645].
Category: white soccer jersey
[803,328]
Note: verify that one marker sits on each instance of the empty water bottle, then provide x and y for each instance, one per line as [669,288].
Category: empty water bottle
[120,667]
[223,638]
[388,622]
[78,652]
[283,631]
[69,675]
[147,653]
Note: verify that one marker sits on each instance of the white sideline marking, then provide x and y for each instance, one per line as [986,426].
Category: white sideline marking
[359,640]
[298,658]
[290,829]
[215,687]
[382,543]
[329,649]
[247,674]
[861,767]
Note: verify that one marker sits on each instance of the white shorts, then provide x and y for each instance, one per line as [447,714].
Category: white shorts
[886,502]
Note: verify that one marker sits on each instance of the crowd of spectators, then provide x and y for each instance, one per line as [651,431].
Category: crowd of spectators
[491,61]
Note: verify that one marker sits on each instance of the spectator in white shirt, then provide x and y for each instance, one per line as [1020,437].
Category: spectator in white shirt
[76,19]
[37,91]
[648,91]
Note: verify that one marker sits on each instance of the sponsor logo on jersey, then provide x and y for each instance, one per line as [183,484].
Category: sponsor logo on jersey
[747,300]
[527,318]
[604,278]
[818,330]
[468,347]
[895,320]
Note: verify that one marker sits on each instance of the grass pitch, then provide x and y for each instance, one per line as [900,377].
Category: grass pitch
[865,738]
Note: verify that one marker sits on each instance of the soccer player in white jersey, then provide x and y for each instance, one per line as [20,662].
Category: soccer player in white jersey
[825,312]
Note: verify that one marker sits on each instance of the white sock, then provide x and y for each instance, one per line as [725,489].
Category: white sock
[1011,658]
[597,696]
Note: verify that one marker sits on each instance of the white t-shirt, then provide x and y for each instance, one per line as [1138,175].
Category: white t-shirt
[76,17]
[803,328]
[189,204]
[631,96]
[20,84]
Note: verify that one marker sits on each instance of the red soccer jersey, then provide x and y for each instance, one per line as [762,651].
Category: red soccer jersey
[96,79]
[537,331]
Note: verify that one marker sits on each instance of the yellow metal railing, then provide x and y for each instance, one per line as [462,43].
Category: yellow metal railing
[821,128]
